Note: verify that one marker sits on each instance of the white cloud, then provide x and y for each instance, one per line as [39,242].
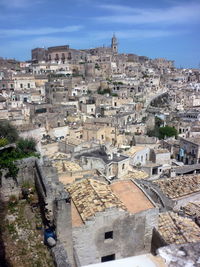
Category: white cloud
[40,31]
[176,14]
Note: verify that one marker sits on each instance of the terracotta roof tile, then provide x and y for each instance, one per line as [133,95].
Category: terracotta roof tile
[179,186]
[91,196]
[176,229]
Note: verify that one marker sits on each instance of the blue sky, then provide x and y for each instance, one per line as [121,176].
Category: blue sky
[159,28]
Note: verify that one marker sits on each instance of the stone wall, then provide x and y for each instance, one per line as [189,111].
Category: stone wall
[54,203]
[10,186]
[132,234]
[56,207]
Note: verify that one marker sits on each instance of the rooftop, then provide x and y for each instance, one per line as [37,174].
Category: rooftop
[161,151]
[136,174]
[66,166]
[133,150]
[74,141]
[132,196]
[192,209]
[145,139]
[180,255]
[176,229]
[186,168]
[195,140]
[90,196]
[179,186]
[104,156]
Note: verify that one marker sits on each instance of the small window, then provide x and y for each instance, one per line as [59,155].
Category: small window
[108,258]
[123,166]
[109,235]
[29,85]
[21,85]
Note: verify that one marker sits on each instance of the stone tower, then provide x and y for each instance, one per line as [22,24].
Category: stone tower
[114,44]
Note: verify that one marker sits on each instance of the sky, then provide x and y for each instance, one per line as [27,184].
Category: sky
[153,28]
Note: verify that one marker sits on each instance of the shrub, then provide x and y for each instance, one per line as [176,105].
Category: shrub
[3,142]
[8,131]
[26,145]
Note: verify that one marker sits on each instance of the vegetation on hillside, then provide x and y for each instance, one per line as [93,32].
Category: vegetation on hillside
[25,147]
[161,131]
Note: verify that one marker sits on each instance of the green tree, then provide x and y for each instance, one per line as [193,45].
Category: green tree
[167,131]
[8,131]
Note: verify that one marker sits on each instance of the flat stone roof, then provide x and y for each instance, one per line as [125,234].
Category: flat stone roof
[161,151]
[132,196]
[186,168]
[102,155]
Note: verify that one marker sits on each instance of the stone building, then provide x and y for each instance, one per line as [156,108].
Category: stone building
[38,54]
[189,152]
[101,133]
[139,155]
[111,165]
[110,222]
[57,54]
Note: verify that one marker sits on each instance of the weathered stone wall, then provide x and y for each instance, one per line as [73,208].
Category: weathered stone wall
[132,234]
[56,207]
[10,186]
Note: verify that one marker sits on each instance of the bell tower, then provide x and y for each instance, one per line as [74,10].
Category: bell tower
[114,44]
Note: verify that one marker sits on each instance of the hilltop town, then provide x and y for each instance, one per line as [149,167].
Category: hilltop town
[115,171]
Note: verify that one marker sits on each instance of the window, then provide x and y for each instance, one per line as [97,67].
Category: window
[21,85]
[108,258]
[123,166]
[102,137]
[57,57]
[29,85]
[109,235]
